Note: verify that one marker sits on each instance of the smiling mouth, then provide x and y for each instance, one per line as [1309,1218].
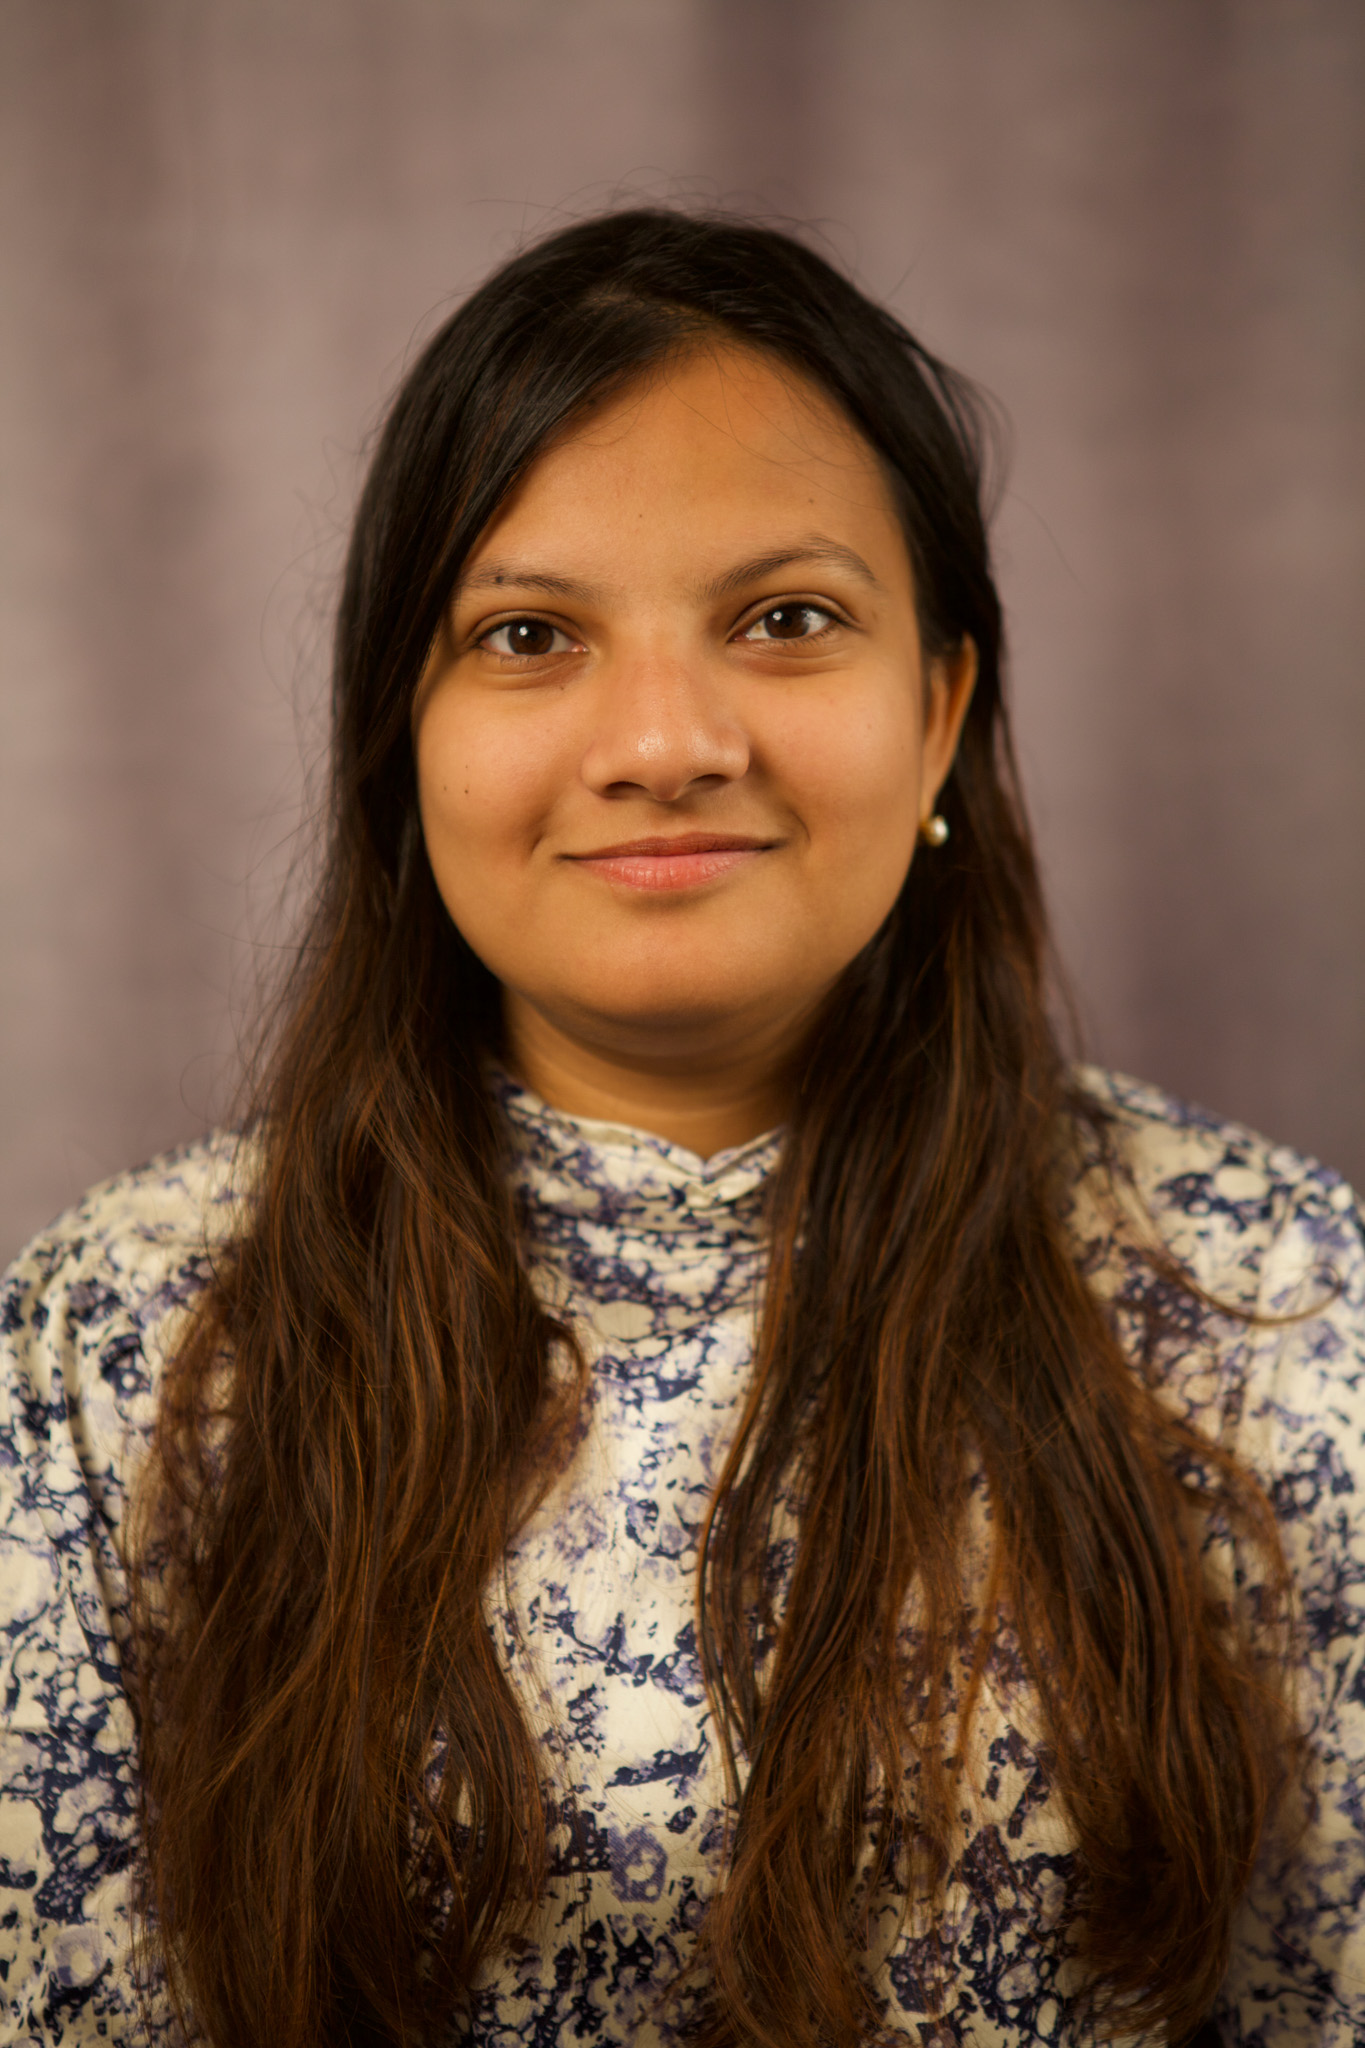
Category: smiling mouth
[682,862]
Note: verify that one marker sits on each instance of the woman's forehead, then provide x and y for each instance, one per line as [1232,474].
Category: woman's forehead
[723,448]
[719,392]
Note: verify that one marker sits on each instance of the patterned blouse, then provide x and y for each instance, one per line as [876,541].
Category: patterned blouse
[659,1257]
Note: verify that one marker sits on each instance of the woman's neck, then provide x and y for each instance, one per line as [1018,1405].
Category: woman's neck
[708,1101]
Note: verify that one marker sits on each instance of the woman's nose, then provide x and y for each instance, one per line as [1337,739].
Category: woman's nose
[663,728]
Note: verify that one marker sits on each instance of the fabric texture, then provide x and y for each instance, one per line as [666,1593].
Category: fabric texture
[658,1257]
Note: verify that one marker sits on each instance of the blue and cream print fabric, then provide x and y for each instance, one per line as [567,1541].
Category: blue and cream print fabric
[658,1257]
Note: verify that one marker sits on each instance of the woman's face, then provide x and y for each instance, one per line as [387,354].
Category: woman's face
[677,736]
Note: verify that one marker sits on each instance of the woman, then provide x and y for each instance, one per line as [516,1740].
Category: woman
[686,1479]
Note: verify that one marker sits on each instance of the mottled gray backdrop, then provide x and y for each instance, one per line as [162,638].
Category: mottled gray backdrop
[224,225]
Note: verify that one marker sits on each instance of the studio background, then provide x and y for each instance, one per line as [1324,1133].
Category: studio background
[224,229]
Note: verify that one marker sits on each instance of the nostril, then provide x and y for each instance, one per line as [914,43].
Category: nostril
[664,760]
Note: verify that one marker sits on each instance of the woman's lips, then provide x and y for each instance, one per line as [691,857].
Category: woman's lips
[681,863]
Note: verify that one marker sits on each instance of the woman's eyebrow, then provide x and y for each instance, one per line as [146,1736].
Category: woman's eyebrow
[814,548]
[493,575]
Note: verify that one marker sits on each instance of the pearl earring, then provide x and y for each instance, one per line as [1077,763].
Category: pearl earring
[934,831]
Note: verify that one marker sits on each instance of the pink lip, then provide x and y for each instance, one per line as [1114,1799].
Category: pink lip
[678,863]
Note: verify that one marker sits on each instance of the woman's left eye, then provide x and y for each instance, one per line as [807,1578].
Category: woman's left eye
[789,622]
[531,637]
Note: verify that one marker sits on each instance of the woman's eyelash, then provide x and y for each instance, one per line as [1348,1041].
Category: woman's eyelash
[532,638]
[793,614]
[537,636]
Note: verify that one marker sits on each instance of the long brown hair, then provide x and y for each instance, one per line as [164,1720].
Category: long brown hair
[344,1812]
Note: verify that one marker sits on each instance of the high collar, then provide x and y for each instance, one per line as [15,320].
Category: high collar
[620,1178]
[618,1213]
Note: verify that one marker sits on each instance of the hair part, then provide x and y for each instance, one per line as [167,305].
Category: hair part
[344,1812]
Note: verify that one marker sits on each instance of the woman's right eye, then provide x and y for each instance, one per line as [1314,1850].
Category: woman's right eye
[526,637]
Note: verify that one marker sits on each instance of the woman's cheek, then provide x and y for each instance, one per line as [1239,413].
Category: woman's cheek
[484,783]
[855,773]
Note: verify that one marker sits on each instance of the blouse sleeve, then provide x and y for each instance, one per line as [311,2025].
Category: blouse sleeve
[69,1355]
[1297,1973]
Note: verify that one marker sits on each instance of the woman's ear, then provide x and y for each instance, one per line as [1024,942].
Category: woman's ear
[950,681]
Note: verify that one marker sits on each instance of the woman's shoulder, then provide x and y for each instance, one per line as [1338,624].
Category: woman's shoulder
[1254,1223]
[131,1237]
[89,1307]
[1235,1273]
